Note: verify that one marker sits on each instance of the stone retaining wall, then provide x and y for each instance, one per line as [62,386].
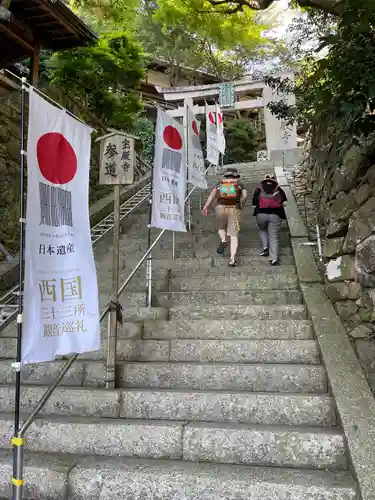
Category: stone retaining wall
[341,196]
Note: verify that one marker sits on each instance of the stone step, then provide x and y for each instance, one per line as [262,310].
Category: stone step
[260,268]
[133,318]
[165,264]
[229,329]
[177,375]
[243,251]
[50,477]
[144,404]
[238,311]
[92,435]
[215,281]
[253,259]
[138,283]
[236,377]
[226,351]
[244,351]
[236,407]
[312,448]
[216,442]
[250,239]
[233,297]
[82,373]
[69,401]
[186,251]
[133,350]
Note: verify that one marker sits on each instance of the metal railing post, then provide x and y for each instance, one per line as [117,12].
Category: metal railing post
[173,245]
[189,214]
[110,378]
[319,240]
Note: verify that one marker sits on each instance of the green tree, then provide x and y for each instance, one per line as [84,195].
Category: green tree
[145,129]
[105,15]
[243,141]
[188,33]
[339,86]
[98,75]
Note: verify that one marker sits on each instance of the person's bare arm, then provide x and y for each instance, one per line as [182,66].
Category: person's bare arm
[244,195]
[209,201]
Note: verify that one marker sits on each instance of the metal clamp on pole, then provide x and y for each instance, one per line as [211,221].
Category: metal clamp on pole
[110,378]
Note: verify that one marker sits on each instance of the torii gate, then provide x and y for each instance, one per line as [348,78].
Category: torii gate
[279,136]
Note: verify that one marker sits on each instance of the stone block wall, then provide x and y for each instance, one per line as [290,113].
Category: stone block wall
[341,196]
[10,119]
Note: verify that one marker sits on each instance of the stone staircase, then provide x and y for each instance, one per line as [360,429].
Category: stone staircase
[221,391]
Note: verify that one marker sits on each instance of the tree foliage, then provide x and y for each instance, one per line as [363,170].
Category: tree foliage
[243,141]
[145,129]
[191,33]
[106,14]
[98,75]
[339,86]
[235,6]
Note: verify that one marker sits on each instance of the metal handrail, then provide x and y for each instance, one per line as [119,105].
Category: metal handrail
[18,457]
[8,302]
[149,250]
[103,315]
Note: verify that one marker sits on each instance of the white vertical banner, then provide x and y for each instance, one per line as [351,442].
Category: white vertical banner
[196,170]
[220,130]
[61,310]
[212,142]
[169,176]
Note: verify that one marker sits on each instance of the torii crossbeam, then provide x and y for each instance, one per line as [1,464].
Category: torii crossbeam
[279,135]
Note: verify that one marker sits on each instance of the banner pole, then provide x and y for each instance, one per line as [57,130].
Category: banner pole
[149,242]
[110,379]
[186,132]
[17,442]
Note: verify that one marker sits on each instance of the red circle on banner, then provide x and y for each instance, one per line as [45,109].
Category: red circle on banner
[220,117]
[172,137]
[195,128]
[211,117]
[56,158]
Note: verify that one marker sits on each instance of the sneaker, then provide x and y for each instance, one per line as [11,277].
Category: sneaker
[274,262]
[221,247]
[265,253]
[232,263]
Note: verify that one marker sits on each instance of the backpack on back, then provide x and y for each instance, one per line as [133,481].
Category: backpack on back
[229,191]
[270,201]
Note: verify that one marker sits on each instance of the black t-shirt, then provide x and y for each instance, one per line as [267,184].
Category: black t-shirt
[278,211]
